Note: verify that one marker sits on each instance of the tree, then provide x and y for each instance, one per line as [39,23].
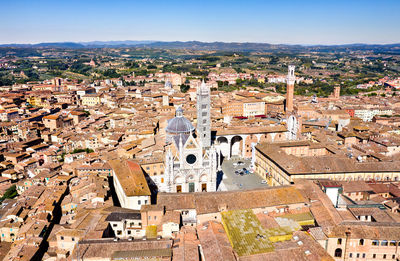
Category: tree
[184,88]
[79,67]
[132,65]
[11,192]
[111,73]
[5,82]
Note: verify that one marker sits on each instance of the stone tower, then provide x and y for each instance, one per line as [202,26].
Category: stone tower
[291,78]
[336,92]
[203,115]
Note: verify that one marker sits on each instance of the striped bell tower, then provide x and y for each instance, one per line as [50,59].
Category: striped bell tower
[203,115]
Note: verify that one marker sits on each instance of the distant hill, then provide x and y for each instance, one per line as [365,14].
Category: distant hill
[94,44]
[116,43]
[223,46]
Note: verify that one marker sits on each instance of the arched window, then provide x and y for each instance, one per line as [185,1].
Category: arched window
[338,252]
[361,242]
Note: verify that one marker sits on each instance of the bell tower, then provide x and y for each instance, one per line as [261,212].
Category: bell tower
[336,92]
[291,78]
[203,115]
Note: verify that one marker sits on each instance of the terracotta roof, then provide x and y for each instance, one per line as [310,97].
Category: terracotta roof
[51,117]
[211,202]
[294,165]
[214,241]
[131,177]
[355,186]
[367,231]
[249,130]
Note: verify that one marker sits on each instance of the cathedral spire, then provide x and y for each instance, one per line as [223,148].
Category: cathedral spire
[202,87]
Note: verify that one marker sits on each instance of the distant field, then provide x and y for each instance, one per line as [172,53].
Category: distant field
[74,75]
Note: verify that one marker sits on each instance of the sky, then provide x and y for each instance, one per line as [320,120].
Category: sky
[277,22]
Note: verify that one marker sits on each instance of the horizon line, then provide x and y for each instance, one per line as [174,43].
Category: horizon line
[186,41]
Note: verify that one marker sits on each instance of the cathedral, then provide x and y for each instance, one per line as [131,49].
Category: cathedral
[191,161]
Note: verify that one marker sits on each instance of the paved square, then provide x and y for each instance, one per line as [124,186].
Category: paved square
[231,181]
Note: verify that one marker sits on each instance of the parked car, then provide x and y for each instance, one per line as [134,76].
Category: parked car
[263,181]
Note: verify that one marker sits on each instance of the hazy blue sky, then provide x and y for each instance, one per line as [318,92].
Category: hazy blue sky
[292,22]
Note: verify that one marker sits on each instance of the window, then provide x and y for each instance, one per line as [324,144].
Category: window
[384,256]
[338,252]
[392,243]
[375,242]
[149,217]
[62,238]
[73,239]
[358,255]
[393,256]
[384,243]
[351,255]
[363,255]
[129,232]
[145,202]
[114,225]
[339,241]
[374,256]
[155,217]
[139,202]
[361,243]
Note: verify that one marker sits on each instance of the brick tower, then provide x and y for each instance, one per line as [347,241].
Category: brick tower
[290,88]
[336,92]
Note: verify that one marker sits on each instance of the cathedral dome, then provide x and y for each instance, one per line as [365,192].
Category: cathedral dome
[179,124]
